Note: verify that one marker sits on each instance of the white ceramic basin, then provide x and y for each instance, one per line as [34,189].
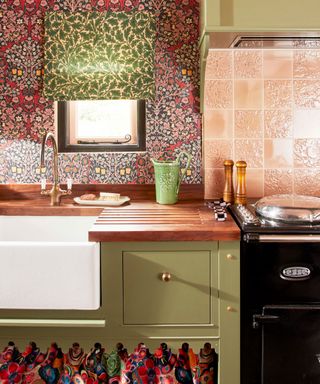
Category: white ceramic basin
[46,262]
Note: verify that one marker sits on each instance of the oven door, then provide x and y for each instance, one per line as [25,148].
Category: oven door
[290,344]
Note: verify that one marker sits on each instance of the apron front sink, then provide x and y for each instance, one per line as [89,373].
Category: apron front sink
[48,263]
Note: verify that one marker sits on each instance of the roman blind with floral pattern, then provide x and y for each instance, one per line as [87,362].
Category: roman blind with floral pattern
[99,55]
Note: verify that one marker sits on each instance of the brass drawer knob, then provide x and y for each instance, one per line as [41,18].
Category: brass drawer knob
[230,309]
[230,256]
[166,276]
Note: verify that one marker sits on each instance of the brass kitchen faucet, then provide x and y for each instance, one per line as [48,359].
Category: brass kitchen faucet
[55,193]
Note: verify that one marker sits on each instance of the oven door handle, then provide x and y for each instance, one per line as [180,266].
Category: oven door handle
[270,238]
[258,319]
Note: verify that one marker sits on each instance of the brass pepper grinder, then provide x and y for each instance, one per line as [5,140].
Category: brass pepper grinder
[241,193]
[228,192]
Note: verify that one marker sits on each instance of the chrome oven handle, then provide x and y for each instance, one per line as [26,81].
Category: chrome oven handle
[268,238]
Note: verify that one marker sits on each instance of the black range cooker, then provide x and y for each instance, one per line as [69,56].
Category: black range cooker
[280,290]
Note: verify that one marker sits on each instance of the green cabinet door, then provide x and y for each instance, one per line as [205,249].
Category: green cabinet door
[167,287]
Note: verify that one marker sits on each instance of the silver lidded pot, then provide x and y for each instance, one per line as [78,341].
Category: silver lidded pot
[289,208]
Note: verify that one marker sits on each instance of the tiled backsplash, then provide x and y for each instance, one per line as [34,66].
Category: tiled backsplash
[263,106]
[173,118]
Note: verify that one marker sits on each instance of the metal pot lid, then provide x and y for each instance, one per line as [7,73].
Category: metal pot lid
[289,208]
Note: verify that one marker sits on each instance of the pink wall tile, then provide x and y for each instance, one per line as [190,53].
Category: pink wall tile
[216,151]
[275,126]
[306,123]
[254,182]
[306,153]
[306,64]
[307,181]
[277,64]
[278,153]
[249,150]
[278,181]
[218,124]
[214,183]
[248,94]
[306,93]
[247,64]
[278,123]
[218,94]
[248,124]
[219,65]
[278,94]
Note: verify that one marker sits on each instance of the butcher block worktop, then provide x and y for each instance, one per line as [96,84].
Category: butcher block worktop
[142,219]
[149,221]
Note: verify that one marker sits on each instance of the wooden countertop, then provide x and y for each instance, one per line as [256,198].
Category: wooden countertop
[140,220]
[148,221]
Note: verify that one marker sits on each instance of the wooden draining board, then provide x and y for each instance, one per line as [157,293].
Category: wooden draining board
[147,221]
[149,216]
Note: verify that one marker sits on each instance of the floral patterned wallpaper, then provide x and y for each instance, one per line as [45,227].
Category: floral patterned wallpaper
[173,118]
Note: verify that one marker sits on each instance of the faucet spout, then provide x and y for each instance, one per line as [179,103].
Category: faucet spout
[55,193]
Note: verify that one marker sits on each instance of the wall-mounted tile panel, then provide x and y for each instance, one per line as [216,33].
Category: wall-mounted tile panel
[276,120]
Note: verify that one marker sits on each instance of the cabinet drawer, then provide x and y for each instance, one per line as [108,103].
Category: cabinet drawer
[186,298]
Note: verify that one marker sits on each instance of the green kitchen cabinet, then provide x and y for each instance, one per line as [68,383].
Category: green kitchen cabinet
[175,292]
[232,15]
[153,292]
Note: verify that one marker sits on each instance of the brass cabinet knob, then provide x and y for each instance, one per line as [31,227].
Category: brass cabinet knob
[229,256]
[166,276]
[230,309]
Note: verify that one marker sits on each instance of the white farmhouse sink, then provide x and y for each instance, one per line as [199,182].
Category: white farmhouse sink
[46,262]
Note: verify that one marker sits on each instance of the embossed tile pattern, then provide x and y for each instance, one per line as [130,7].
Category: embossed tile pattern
[219,65]
[306,93]
[248,64]
[248,124]
[249,150]
[218,94]
[306,64]
[276,119]
[278,181]
[216,151]
[307,181]
[306,153]
[277,94]
[278,123]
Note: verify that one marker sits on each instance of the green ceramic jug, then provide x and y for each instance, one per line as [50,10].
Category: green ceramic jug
[168,176]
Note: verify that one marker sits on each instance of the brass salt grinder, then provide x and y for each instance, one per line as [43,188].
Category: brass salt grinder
[241,193]
[228,192]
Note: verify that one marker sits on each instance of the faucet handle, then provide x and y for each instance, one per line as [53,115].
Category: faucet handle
[43,184]
[69,185]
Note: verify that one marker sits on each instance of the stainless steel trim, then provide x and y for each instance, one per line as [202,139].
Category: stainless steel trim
[226,38]
[288,238]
